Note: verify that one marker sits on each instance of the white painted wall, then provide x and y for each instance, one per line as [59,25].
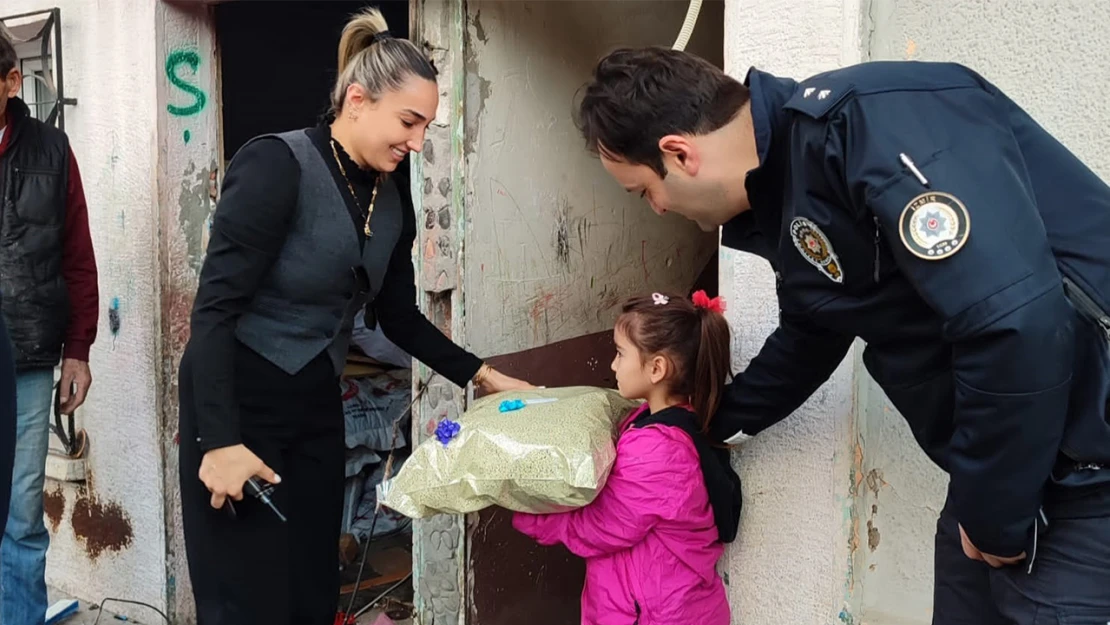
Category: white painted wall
[841,503]
[1046,54]
[792,562]
[110,65]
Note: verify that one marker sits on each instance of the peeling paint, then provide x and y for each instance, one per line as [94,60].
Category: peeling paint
[196,204]
[479,31]
[873,536]
[100,526]
[478,88]
[857,469]
[853,539]
[911,49]
[875,481]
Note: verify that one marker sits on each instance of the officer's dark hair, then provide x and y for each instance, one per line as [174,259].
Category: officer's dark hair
[7,53]
[638,96]
[694,339]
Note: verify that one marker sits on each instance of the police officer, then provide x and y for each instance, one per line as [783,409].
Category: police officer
[913,205]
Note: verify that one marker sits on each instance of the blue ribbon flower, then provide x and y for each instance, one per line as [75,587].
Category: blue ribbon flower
[447,430]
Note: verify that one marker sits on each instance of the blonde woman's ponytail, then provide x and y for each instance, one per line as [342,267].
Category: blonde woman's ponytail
[359,34]
[371,58]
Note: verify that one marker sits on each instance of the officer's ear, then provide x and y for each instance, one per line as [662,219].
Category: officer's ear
[680,154]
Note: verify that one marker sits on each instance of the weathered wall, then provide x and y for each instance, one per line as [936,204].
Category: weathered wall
[793,560]
[438,542]
[1046,54]
[553,244]
[526,241]
[188,176]
[1039,52]
[107,537]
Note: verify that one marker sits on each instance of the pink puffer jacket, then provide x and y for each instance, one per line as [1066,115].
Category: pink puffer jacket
[649,539]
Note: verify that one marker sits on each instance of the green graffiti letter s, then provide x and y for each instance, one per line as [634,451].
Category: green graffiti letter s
[175,60]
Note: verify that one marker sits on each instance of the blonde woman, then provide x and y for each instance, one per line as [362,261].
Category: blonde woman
[312,226]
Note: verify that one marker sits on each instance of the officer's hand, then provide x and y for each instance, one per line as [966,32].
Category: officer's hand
[995,561]
[225,470]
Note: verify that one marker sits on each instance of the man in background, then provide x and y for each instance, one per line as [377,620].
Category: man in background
[49,302]
[7,424]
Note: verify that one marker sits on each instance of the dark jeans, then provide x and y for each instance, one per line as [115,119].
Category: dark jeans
[7,424]
[1069,583]
[255,569]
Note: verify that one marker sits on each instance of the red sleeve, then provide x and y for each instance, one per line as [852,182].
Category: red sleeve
[79,270]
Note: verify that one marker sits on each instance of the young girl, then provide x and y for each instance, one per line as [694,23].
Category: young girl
[653,536]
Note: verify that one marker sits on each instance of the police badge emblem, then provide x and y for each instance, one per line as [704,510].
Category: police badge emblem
[815,248]
[934,225]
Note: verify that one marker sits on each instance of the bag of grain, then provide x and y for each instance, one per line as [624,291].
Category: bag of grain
[540,451]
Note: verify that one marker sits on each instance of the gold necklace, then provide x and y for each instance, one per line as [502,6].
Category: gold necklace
[351,188]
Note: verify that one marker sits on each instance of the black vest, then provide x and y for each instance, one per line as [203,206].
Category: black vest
[34,172]
[721,481]
[307,302]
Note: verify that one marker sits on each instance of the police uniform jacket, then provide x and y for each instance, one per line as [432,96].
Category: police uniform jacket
[916,206]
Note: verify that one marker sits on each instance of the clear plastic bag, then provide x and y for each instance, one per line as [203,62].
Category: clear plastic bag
[552,454]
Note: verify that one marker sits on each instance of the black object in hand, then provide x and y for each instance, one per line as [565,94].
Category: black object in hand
[259,490]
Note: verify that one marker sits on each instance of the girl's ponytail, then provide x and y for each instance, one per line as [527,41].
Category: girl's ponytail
[693,334]
[713,365]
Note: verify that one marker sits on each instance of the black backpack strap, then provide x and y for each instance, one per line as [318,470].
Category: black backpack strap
[721,480]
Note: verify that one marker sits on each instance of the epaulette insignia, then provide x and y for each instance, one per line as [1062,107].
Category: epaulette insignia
[817,100]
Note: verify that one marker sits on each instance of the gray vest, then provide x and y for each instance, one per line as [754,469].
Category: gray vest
[308,301]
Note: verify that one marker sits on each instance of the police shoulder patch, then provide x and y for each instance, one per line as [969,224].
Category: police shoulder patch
[817,97]
[934,225]
[816,248]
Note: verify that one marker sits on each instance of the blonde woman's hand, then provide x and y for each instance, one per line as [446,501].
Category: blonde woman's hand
[225,470]
[496,382]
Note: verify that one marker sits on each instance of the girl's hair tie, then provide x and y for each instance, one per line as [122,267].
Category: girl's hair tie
[701,300]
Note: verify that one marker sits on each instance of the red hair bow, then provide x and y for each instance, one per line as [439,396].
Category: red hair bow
[701,300]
